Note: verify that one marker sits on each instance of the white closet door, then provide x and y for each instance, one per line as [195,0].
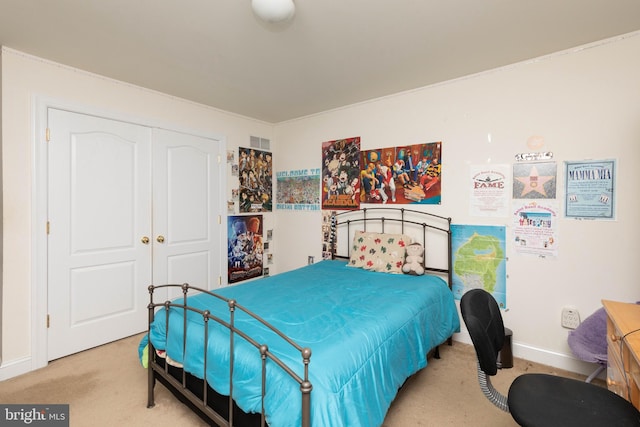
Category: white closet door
[99,211]
[187,184]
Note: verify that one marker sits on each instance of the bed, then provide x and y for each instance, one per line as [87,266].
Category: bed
[326,344]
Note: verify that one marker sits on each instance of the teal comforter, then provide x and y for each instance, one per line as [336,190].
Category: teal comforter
[368,333]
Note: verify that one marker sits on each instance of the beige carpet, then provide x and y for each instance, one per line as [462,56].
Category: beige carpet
[106,386]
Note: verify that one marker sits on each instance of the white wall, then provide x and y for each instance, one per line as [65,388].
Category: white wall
[24,79]
[585,103]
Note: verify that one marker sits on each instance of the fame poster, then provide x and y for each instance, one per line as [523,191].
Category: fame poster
[489,186]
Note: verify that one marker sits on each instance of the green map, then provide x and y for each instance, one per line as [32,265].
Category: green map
[479,260]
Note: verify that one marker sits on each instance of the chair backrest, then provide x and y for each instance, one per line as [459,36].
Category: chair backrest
[483,319]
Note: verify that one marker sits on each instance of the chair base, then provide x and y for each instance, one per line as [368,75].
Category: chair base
[541,400]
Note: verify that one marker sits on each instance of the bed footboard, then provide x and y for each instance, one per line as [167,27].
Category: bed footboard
[200,399]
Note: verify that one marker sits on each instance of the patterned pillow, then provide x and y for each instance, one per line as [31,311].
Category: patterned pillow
[378,251]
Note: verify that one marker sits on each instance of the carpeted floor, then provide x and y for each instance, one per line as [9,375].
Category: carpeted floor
[107,386]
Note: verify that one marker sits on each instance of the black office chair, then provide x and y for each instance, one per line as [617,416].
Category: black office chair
[537,399]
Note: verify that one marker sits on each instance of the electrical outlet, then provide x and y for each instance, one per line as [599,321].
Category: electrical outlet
[310,260]
[570,318]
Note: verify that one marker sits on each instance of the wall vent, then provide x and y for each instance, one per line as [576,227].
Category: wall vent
[261,143]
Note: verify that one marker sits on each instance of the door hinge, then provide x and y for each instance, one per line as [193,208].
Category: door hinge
[48,227]
[48,321]
[219,159]
[219,281]
[219,219]
[48,134]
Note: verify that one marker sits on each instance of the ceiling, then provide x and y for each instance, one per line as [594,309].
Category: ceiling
[333,53]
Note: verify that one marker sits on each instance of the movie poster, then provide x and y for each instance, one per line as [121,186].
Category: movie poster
[245,247]
[255,171]
[340,174]
[402,175]
[590,189]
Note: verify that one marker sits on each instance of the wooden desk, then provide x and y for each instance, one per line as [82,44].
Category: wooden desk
[623,349]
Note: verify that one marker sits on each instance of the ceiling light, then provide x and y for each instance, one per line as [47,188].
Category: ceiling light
[274,10]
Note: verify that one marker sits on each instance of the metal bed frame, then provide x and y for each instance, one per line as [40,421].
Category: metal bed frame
[180,383]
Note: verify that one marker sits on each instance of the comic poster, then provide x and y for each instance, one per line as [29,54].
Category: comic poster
[298,190]
[255,171]
[245,247]
[402,175]
[340,174]
[534,180]
[590,189]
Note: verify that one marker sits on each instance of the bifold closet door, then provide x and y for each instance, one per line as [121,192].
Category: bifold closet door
[99,211]
[187,235]
[128,206]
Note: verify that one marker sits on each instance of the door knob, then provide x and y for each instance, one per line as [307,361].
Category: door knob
[160,238]
[145,240]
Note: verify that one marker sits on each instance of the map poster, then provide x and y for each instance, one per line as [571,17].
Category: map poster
[479,260]
[245,247]
[298,190]
[590,189]
[535,228]
[489,185]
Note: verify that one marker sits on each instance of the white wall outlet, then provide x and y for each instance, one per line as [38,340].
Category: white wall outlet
[570,318]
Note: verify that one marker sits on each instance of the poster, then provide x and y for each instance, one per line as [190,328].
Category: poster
[340,174]
[590,189]
[255,170]
[534,180]
[298,190]
[245,247]
[489,189]
[535,226]
[479,260]
[409,174]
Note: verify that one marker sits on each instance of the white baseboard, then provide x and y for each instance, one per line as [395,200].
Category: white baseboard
[14,368]
[545,357]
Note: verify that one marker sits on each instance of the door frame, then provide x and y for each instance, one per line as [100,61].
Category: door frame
[39,205]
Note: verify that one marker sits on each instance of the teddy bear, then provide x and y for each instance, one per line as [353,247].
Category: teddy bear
[413,260]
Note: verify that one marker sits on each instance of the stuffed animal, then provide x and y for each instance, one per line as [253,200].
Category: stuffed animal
[413,260]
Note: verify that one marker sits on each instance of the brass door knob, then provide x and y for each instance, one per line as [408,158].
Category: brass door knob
[145,240]
[160,238]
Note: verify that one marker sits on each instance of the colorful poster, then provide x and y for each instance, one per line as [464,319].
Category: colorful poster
[298,190]
[479,260]
[590,189]
[341,174]
[489,189]
[255,171]
[535,228]
[402,175]
[245,247]
[534,180]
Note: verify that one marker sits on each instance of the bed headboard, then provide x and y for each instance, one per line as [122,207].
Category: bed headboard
[430,230]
